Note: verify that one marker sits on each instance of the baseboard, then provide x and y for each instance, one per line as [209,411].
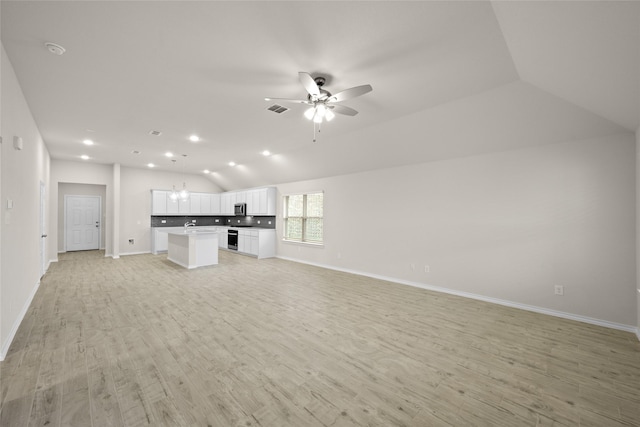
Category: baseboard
[541,310]
[134,253]
[16,324]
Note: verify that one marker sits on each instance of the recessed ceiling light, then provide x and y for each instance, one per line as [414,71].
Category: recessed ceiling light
[232,163]
[87,142]
[206,171]
[194,138]
[84,157]
[151,165]
[168,154]
[266,153]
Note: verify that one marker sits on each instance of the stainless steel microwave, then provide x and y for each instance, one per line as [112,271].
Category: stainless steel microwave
[240,209]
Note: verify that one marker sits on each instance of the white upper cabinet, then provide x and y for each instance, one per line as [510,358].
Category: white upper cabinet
[173,207]
[260,201]
[158,202]
[195,207]
[205,203]
[215,204]
[184,206]
[226,205]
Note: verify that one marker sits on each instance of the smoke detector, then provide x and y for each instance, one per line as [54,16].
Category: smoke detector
[56,49]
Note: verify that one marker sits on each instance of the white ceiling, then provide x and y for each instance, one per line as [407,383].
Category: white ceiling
[449,79]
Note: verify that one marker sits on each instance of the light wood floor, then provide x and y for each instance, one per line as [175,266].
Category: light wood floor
[140,341]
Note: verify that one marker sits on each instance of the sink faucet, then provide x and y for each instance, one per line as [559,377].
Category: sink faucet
[188,224]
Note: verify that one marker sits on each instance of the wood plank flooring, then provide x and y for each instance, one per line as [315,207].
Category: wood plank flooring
[140,341]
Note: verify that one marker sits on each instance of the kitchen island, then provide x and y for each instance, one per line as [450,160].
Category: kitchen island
[193,248]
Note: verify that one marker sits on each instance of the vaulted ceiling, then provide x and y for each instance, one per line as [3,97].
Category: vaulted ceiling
[449,79]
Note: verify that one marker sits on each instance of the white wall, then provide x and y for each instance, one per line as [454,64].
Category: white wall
[22,172]
[507,226]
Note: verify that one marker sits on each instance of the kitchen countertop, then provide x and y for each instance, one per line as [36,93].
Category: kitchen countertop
[211,228]
[190,230]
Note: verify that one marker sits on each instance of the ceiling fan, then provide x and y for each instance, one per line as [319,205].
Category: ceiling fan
[323,104]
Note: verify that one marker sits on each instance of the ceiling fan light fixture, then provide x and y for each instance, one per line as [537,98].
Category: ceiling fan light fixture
[310,113]
[329,115]
[323,104]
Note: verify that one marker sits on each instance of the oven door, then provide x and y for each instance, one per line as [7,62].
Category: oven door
[232,239]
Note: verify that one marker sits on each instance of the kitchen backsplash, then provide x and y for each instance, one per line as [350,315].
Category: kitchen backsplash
[242,221]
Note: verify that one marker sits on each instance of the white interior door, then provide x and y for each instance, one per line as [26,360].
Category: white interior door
[43,233]
[82,223]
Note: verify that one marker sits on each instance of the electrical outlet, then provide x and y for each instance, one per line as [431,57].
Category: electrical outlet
[193,220]
[339,255]
[559,290]
[217,220]
[427,269]
[131,241]
[413,266]
[164,221]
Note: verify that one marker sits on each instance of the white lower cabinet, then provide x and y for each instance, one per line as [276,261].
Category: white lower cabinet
[222,238]
[259,243]
[248,242]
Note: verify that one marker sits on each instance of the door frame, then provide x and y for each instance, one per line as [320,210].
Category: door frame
[64,229]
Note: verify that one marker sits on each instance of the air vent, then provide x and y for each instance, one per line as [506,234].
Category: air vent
[155,133]
[278,108]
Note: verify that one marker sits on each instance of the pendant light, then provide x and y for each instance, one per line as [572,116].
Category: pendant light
[184,193]
[173,196]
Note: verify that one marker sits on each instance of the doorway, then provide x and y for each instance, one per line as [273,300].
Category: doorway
[82,222]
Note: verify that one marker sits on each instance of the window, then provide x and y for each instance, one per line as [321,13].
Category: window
[303,217]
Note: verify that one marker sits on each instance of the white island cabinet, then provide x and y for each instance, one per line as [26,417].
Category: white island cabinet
[193,248]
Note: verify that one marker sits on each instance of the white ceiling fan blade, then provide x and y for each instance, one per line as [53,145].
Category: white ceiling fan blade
[295,101]
[308,83]
[341,109]
[350,93]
